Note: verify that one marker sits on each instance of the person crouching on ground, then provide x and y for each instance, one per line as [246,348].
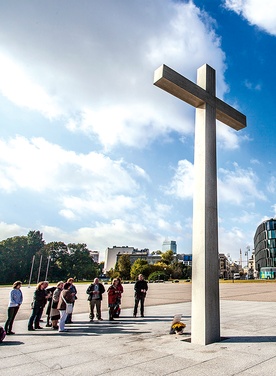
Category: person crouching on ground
[112,298]
[16,299]
[95,291]
[54,314]
[66,296]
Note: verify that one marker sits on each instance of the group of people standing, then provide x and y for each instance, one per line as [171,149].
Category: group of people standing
[57,298]
[62,294]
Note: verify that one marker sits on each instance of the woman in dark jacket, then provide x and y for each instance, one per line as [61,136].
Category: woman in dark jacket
[39,301]
[66,296]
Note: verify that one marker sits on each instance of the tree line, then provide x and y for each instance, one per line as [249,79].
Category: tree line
[23,256]
[167,268]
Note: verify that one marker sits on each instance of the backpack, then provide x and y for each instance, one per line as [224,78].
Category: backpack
[2,334]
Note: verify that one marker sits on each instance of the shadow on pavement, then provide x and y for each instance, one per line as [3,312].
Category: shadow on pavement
[11,343]
[249,339]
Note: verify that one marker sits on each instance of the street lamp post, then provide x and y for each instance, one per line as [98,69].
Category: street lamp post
[38,275]
[47,269]
[31,272]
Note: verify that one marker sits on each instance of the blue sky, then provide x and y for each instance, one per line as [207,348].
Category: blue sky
[91,151]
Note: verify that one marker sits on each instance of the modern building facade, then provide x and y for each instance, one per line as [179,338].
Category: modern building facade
[186,258]
[136,254]
[169,245]
[265,245]
[111,255]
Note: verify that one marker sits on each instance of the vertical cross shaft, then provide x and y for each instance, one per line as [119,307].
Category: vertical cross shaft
[205,280]
[205,283]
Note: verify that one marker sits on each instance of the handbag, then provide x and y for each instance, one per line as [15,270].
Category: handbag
[69,307]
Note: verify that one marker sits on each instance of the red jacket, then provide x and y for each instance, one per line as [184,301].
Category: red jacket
[112,294]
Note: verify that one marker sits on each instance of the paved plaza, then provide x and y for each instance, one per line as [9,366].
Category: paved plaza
[131,346]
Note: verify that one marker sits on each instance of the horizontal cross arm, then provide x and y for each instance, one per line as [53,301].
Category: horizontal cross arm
[184,89]
[179,86]
[229,115]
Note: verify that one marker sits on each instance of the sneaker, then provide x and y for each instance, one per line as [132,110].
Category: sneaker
[61,331]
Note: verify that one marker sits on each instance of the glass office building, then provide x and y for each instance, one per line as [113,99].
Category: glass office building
[169,245]
[265,245]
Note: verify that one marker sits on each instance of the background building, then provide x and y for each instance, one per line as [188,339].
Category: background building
[187,259]
[265,247]
[169,245]
[111,255]
[95,256]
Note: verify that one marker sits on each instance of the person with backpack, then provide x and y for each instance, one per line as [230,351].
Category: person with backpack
[16,299]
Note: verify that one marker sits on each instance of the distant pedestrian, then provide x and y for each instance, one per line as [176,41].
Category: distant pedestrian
[73,290]
[140,288]
[95,292]
[16,299]
[112,298]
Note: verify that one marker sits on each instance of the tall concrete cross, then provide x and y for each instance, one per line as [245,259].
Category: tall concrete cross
[205,281]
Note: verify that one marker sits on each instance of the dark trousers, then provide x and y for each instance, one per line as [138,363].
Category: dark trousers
[111,312]
[35,316]
[12,311]
[138,299]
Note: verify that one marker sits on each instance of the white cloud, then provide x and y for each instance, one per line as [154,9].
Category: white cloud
[18,87]
[104,87]
[271,185]
[9,230]
[252,86]
[239,185]
[231,240]
[183,180]
[259,13]
[38,165]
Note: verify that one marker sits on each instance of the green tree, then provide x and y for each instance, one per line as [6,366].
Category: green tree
[167,257]
[123,266]
[81,264]
[140,267]
[158,275]
[59,260]
[177,270]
